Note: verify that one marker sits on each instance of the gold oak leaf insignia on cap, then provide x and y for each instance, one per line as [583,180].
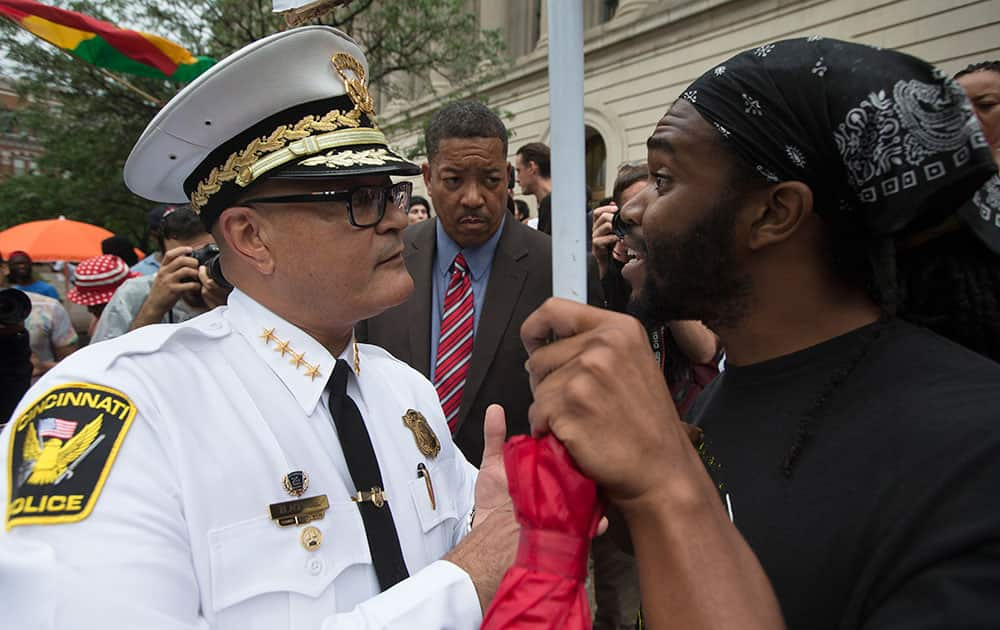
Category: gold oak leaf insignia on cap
[356,88]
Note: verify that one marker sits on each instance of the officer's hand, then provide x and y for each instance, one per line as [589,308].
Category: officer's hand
[178,273]
[488,551]
[212,293]
[600,391]
[603,239]
[491,485]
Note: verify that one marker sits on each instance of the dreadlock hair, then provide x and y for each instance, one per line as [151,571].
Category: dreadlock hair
[951,284]
[992,66]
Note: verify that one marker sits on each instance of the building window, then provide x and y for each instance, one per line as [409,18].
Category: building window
[608,8]
[596,161]
[19,166]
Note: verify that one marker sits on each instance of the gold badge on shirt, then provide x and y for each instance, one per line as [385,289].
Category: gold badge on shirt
[427,442]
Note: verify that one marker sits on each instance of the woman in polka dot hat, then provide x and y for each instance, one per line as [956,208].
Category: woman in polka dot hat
[97,279]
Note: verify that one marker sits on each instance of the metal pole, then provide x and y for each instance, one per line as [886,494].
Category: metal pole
[569,199]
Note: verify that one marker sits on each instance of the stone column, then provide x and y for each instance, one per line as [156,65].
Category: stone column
[543,28]
[492,15]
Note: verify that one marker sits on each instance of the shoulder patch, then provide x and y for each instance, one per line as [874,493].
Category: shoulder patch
[61,451]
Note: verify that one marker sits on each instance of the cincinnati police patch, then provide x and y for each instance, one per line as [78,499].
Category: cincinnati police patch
[61,450]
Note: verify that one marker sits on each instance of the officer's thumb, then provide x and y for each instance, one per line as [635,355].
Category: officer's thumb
[494,431]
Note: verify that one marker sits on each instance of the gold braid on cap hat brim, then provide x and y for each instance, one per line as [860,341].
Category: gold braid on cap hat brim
[287,143]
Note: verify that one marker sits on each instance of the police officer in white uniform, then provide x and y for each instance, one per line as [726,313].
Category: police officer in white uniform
[255,467]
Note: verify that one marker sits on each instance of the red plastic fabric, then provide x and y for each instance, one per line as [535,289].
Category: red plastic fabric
[558,509]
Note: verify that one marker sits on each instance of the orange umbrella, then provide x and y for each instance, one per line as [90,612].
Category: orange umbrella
[54,239]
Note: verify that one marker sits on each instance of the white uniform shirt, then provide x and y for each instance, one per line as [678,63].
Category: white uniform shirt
[181,535]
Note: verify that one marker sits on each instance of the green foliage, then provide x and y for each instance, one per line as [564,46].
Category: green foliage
[87,122]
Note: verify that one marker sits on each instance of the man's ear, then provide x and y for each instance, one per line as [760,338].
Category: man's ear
[425,170]
[780,212]
[248,236]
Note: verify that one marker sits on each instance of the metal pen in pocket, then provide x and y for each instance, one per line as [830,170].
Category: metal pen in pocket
[423,472]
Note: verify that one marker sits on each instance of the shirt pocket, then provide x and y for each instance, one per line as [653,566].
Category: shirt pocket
[443,510]
[257,557]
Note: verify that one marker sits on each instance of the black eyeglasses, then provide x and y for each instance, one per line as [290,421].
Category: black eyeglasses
[365,204]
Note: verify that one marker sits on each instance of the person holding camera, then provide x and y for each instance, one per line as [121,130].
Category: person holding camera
[180,289]
[15,347]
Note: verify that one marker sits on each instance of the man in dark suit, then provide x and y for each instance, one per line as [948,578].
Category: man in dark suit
[479,268]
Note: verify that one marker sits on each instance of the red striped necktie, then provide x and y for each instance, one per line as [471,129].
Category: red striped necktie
[455,341]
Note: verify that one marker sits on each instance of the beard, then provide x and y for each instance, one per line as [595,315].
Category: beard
[696,275]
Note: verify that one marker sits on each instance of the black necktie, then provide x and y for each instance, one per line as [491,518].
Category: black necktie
[363,466]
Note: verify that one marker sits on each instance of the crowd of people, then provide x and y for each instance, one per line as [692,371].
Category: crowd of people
[785,382]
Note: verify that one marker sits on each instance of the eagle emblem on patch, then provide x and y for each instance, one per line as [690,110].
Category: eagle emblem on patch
[427,442]
[61,451]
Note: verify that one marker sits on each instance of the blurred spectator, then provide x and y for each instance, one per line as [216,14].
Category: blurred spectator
[96,280]
[981,81]
[180,290]
[22,276]
[151,263]
[533,168]
[687,354]
[15,346]
[121,247]
[605,245]
[51,331]
[475,251]
[521,211]
[420,209]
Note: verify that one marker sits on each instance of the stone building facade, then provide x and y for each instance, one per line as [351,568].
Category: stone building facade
[19,151]
[640,54]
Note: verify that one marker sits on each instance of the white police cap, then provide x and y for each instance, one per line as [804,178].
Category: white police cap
[292,105]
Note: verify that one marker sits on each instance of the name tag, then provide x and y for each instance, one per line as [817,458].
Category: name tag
[299,511]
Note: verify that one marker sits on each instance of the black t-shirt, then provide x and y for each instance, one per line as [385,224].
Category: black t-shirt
[545,215]
[891,516]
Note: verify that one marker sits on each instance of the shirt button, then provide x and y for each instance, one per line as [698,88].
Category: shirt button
[315,566]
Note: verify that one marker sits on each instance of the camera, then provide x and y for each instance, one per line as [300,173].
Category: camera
[15,306]
[205,255]
[209,257]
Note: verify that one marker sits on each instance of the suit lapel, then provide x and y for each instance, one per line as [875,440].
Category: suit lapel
[507,276]
[419,257]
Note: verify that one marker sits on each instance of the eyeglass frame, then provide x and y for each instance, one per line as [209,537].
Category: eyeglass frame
[345,197]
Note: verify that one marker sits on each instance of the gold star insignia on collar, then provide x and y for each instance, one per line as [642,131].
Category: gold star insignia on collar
[283,347]
[313,372]
[299,358]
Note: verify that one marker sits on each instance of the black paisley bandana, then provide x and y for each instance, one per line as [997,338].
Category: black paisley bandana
[982,213]
[886,139]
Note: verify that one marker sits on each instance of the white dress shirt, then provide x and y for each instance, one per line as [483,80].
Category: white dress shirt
[181,535]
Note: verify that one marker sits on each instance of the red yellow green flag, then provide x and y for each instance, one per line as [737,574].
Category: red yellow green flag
[105,45]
